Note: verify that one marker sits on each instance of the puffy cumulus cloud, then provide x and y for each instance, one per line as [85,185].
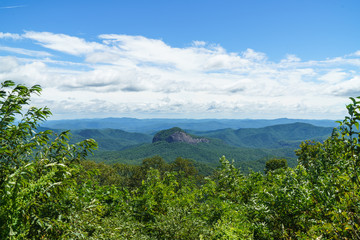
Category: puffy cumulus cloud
[32,72]
[8,64]
[122,75]
[334,76]
[349,87]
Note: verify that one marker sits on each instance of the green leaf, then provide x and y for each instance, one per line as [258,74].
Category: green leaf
[353,100]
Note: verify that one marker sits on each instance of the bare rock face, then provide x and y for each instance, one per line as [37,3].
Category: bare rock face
[177,135]
[183,137]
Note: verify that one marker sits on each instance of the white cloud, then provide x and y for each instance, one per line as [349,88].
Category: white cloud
[335,76]
[290,58]
[25,52]
[14,6]
[10,35]
[63,43]
[350,87]
[132,75]
[155,52]
[8,64]
[357,53]
[199,43]
[251,54]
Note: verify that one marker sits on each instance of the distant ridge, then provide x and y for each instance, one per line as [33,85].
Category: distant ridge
[276,136]
[151,126]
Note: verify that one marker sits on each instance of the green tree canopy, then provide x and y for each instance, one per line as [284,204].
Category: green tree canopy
[37,169]
[274,164]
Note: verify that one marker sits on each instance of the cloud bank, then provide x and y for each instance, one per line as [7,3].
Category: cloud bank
[122,75]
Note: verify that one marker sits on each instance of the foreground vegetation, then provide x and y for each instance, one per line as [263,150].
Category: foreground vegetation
[49,191]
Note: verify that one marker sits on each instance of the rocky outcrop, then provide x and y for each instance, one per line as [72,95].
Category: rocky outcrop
[177,135]
[183,137]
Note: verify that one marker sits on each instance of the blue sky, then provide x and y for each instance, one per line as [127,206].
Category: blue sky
[184,59]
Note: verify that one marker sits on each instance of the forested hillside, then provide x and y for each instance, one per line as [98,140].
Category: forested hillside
[111,139]
[249,147]
[48,190]
[207,153]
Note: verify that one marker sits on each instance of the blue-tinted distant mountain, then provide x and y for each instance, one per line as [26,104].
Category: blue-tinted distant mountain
[277,136]
[157,124]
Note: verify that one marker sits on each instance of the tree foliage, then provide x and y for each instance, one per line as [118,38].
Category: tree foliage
[273,164]
[37,184]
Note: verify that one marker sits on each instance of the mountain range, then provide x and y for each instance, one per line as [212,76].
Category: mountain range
[249,147]
[151,126]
